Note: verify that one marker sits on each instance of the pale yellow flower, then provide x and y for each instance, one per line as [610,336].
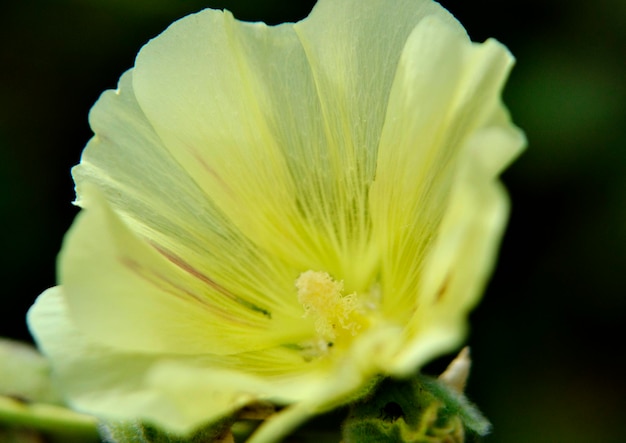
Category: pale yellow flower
[280,213]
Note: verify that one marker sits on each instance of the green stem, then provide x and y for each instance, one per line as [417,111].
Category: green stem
[48,419]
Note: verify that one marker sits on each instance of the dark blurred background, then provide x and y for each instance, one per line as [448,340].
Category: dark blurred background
[547,339]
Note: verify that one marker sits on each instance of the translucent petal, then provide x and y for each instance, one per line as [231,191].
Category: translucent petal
[456,268]
[353,63]
[25,374]
[206,85]
[108,383]
[190,389]
[354,375]
[275,125]
[126,293]
[445,208]
[464,252]
[313,389]
[177,392]
[158,200]
[446,92]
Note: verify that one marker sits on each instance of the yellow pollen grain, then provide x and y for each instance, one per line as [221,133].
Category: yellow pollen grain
[322,299]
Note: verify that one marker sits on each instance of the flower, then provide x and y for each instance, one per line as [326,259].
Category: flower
[280,213]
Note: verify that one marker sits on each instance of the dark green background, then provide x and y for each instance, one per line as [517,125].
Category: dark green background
[546,340]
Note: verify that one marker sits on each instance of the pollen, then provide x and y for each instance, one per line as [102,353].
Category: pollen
[334,313]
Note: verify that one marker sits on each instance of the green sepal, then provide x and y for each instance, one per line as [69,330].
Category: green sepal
[418,410]
[137,432]
[457,404]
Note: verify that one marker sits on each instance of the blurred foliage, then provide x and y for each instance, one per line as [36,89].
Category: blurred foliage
[547,338]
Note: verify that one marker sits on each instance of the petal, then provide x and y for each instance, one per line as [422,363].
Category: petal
[455,271]
[206,87]
[311,389]
[25,373]
[446,92]
[113,385]
[275,127]
[126,293]
[176,392]
[158,200]
[190,389]
[442,209]
[353,47]
[464,252]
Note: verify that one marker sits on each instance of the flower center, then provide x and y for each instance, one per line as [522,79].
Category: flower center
[337,316]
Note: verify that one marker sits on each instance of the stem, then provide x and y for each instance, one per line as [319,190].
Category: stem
[48,418]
